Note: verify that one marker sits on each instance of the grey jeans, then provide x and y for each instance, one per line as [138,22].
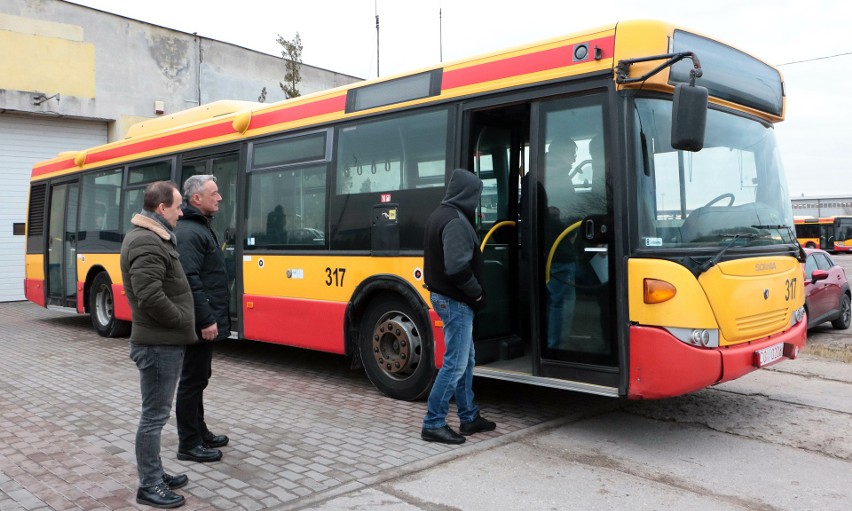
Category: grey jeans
[159,371]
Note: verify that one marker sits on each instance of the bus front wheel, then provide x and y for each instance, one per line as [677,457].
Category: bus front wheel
[396,349]
[102,309]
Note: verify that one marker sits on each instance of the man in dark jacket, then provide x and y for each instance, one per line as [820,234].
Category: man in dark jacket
[204,264]
[453,271]
[163,323]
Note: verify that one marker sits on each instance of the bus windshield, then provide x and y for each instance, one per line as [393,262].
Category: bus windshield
[732,192]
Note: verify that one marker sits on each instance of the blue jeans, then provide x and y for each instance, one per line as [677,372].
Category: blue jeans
[456,375]
[561,294]
[159,370]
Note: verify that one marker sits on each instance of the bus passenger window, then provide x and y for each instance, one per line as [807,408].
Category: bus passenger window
[286,208]
[396,154]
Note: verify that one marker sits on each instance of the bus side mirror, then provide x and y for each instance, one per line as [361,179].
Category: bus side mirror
[689,117]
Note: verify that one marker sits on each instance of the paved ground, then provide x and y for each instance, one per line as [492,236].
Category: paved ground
[304,427]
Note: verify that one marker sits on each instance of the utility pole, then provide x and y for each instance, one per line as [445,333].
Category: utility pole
[440,36]
[376,8]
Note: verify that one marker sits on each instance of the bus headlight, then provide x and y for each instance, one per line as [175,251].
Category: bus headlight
[699,337]
[798,316]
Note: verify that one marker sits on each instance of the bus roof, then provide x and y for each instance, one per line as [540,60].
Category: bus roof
[588,52]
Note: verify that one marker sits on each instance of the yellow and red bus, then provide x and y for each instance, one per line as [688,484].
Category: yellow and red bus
[833,233]
[675,258]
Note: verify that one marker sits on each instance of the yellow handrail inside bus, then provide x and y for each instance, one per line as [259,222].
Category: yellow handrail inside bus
[491,231]
[556,244]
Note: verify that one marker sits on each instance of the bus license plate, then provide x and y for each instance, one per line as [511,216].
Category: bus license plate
[768,355]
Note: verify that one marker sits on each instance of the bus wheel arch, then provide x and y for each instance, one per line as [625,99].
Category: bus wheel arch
[101,304]
[389,330]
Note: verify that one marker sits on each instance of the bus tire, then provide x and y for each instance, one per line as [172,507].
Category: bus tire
[396,349]
[102,309]
[845,318]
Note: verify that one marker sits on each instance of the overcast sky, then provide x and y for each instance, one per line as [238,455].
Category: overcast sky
[808,40]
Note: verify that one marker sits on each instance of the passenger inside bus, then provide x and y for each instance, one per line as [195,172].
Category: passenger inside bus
[276,226]
[561,213]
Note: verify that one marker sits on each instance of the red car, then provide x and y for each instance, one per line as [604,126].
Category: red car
[827,295]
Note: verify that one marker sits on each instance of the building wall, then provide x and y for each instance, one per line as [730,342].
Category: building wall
[68,67]
[108,67]
[822,206]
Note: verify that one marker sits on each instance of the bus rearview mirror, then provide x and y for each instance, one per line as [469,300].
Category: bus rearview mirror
[689,117]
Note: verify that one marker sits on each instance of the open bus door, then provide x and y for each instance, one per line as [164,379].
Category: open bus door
[548,256]
[61,257]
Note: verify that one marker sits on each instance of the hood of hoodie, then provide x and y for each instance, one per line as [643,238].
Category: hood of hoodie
[463,192]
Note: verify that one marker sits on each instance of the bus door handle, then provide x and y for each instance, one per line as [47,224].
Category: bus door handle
[597,229]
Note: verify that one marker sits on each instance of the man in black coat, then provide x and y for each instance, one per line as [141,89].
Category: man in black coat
[204,264]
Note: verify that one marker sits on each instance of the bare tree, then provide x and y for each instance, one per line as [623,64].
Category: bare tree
[292,54]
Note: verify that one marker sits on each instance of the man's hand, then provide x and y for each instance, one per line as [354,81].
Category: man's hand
[210,333]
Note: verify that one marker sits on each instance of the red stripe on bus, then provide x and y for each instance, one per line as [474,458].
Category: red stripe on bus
[81,307]
[544,60]
[438,335]
[322,107]
[662,366]
[121,307]
[185,137]
[34,291]
[54,167]
[336,104]
[311,324]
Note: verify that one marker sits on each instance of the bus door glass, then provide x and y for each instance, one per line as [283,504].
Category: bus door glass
[574,223]
[225,168]
[62,245]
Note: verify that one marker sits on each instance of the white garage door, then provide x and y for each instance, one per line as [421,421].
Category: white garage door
[24,141]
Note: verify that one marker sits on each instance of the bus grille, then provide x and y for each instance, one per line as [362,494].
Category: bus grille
[763,322]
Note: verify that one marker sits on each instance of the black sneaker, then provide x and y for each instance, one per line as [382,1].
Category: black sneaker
[175,482]
[159,496]
[477,425]
[444,435]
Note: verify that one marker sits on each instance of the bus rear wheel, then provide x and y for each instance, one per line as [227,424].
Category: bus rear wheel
[102,309]
[396,349]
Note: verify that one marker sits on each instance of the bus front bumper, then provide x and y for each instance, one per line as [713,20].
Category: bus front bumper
[661,366]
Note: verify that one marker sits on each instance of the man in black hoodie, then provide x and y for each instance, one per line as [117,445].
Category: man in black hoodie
[204,264]
[453,270]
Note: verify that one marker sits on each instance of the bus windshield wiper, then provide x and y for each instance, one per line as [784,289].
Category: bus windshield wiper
[751,236]
[777,226]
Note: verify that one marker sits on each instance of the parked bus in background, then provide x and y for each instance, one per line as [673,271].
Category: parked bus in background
[809,231]
[832,234]
[842,234]
[669,237]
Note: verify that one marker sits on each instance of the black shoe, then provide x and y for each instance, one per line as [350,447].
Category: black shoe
[200,454]
[477,425]
[159,496]
[175,482]
[443,435]
[210,440]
